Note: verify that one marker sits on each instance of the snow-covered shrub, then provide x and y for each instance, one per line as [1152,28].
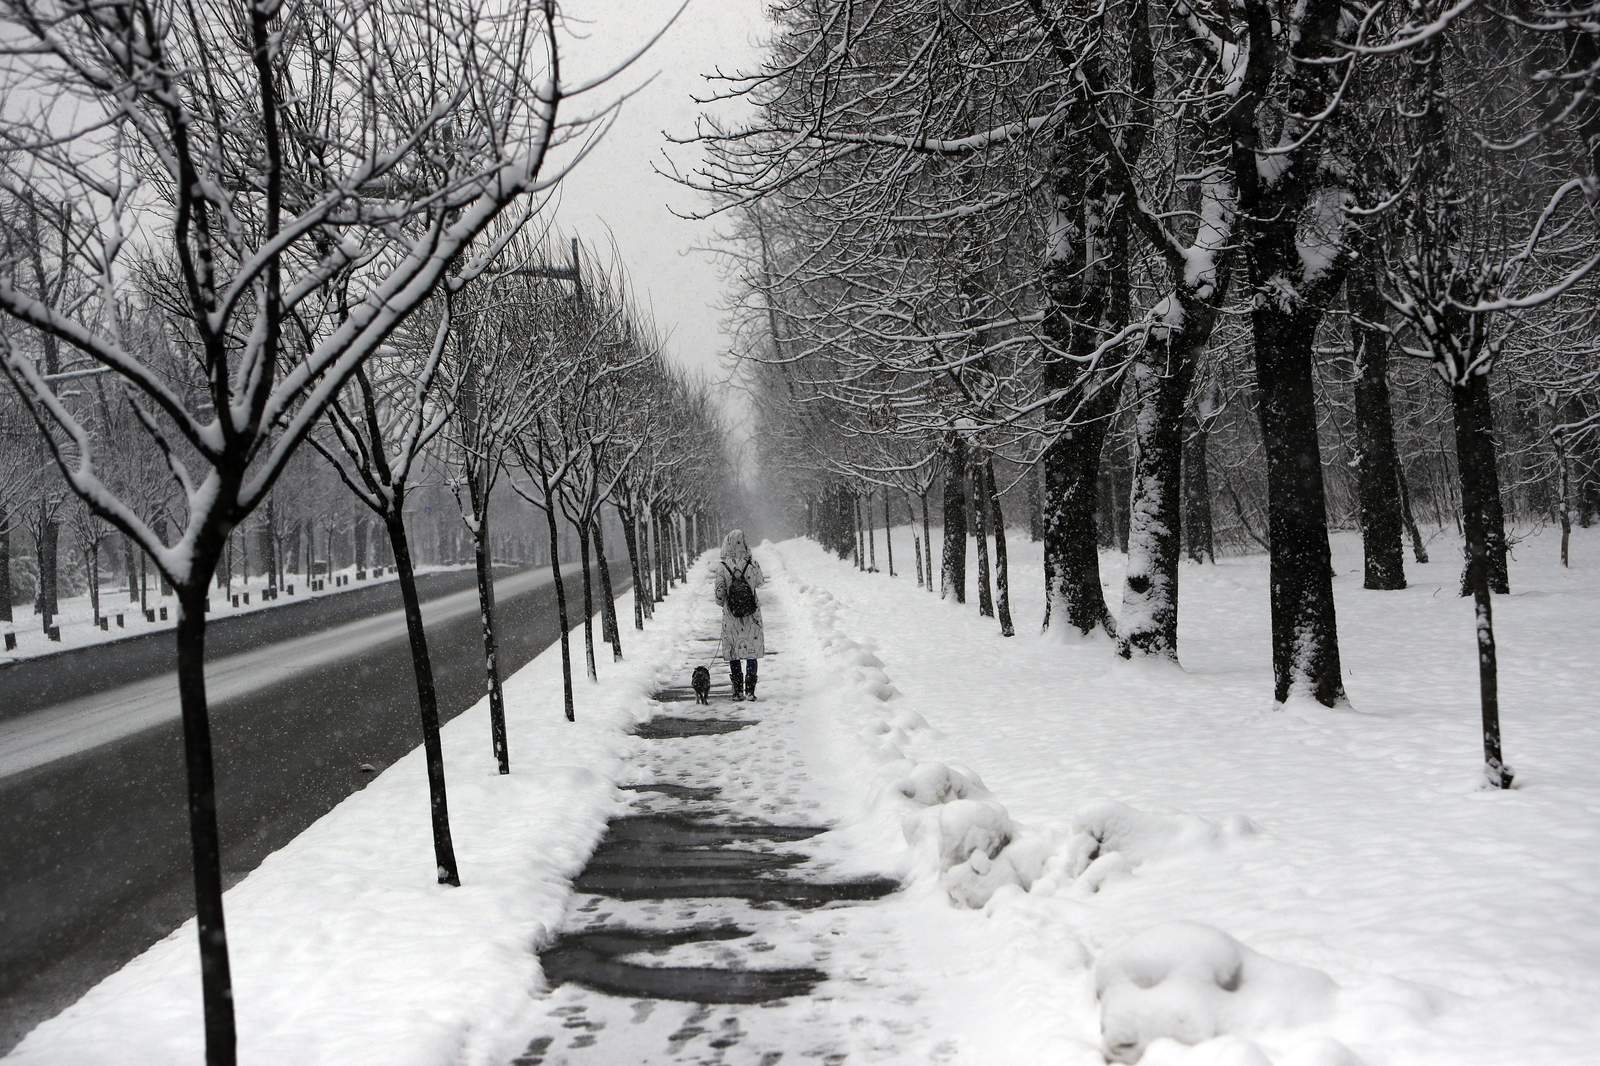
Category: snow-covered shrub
[1106,828]
[1021,863]
[971,826]
[1190,982]
[935,782]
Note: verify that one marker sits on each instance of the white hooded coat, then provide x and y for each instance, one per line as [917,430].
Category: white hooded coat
[742,638]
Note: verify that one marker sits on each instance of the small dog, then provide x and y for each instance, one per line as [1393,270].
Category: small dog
[701,680]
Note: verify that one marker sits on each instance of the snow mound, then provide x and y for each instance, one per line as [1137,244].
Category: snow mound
[962,828]
[1191,983]
[977,881]
[980,849]
[1109,837]
[931,783]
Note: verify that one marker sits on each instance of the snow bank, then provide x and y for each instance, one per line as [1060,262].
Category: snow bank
[345,950]
[956,831]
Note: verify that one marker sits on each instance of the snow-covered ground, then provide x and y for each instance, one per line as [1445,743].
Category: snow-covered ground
[1101,859]
[1293,886]
[76,616]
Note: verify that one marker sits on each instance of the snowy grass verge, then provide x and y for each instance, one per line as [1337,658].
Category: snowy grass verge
[345,950]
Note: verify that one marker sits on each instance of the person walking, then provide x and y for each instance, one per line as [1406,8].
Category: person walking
[743,638]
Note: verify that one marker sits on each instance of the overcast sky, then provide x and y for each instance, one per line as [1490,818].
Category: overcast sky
[615,185]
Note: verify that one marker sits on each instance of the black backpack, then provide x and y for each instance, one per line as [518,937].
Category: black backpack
[741,597]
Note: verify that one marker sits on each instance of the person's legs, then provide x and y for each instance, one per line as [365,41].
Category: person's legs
[736,675]
[750,678]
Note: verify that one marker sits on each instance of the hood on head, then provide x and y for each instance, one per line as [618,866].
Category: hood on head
[734,548]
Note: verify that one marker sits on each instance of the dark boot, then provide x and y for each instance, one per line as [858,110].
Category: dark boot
[750,680]
[736,676]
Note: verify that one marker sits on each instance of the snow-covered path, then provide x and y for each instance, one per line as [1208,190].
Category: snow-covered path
[713,924]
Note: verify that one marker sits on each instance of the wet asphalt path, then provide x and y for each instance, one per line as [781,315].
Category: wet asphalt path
[94,860]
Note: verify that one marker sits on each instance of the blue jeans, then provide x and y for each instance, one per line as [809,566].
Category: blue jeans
[741,678]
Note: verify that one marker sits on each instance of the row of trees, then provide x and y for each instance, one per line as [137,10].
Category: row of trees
[1187,238]
[314,528]
[231,231]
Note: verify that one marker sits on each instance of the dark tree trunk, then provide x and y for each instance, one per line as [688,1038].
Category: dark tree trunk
[670,522]
[91,564]
[129,563]
[1086,283]
[888,532]
[444,852]
[659,553]
[1305,635]
[647,566]
[1377,467]
[872,535]
[269,545]
[980,532]
[927,544]
[953,567]
[1476,485]
[1286,309]
[216,981]
[588,605]
[1198,533]
[1419,550]
[861,545]
[1563,499]
[561,609]
[49,567]
[1002,574]
[161,575]
[916,541]
[1071,537]
[664,550]
[1481,452]
[630,537]
[5,568]
[609,630]
[491,649]
[1160,376]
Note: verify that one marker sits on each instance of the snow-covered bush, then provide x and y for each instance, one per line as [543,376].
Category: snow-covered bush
[1109,838]
[929,783]
[1190,982]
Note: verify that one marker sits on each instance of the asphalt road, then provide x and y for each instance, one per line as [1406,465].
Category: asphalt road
[94,852]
